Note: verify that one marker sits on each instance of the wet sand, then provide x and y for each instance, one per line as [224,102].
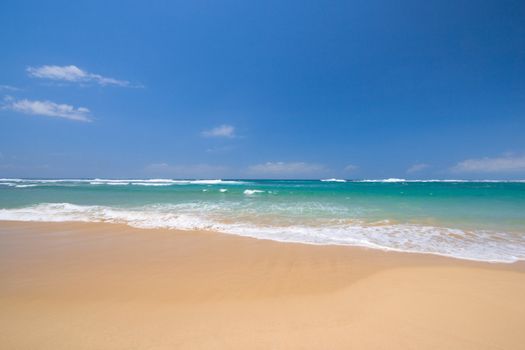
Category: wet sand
[106,286]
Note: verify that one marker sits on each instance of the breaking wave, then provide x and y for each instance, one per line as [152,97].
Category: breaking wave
[481,245]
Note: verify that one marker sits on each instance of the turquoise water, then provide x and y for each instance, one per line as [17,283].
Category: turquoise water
[470,220]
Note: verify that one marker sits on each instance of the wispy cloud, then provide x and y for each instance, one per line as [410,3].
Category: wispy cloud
[73,74]
[8,88]
[417,167]
[224,130]
[48,109]
[284,169]
[504,164]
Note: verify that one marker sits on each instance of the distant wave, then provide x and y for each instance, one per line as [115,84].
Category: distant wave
[97,181]
[333,180]
[11,184]
[115,182]
[109,183]
[151,184]
[480,245]
[250,192]
[385,180]
[393,180]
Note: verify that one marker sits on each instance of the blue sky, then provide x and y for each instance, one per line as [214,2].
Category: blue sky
[269,89]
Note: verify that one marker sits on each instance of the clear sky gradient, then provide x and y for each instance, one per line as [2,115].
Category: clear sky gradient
[267,89]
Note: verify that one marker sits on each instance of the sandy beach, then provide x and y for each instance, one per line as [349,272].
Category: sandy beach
[247,175]
[107,286]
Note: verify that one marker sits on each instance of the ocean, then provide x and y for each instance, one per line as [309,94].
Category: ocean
[474,220]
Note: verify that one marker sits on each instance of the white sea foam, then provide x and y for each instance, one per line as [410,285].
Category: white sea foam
[223,190]
[43,180]
[392,179]
[165,181]
[17,185]
[251,192]
[438,180]
[151,184]
[482,245]
[97,181]
[213,182]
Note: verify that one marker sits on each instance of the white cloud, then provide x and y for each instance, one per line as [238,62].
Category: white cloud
[286,169]
[504,164]
[8,88]
[188,171]
[220,131]
[49,109]
[73,74]
[350,167]
[417,167]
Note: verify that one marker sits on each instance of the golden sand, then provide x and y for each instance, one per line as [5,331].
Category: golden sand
[101,286]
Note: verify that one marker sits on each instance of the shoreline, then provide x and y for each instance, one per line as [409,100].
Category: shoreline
[100,285]
[369,247]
